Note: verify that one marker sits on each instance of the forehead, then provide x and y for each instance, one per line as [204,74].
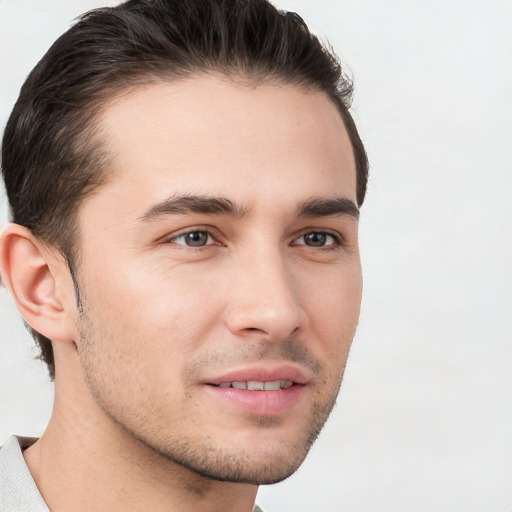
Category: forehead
[203,134]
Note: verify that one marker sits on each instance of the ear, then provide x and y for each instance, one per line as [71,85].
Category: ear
[36,279]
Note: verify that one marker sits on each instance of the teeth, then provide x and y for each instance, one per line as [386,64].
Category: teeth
[254,385]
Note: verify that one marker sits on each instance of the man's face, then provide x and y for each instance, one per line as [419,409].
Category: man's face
[222,255]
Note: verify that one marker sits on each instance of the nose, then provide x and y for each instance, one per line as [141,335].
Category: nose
[264,299]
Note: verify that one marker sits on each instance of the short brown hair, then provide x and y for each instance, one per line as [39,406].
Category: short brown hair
[51,159]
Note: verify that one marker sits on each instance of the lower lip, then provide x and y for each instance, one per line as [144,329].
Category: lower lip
[261,403]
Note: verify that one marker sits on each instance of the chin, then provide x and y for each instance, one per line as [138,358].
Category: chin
[261,459]
[247,469]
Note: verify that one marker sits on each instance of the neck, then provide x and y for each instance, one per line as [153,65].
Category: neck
[103,467]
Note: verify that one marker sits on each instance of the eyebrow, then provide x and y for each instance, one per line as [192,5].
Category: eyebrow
[185,204]
[194,204]
[330,206]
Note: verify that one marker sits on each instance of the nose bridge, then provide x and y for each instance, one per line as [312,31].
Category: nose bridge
[264,296]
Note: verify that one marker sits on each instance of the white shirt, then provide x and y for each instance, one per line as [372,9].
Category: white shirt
[18,491]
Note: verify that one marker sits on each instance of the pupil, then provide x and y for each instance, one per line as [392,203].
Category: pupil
[196,239]
[316,239]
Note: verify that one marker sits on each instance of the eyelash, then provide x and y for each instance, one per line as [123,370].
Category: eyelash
[337,239]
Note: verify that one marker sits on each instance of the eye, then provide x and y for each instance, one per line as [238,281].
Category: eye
[317,239]
[193,239]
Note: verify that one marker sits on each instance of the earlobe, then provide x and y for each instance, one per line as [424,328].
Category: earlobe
[30,273]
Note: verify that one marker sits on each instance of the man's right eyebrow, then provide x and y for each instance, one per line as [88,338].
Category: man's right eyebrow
[184,204]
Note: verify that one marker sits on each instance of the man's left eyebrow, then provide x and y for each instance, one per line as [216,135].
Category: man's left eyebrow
[328,206]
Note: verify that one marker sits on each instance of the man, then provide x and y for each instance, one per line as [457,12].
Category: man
[185,181]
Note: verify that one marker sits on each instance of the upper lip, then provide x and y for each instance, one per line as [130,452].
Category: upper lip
[261,373]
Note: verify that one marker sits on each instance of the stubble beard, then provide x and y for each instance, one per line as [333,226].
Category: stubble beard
[193,452]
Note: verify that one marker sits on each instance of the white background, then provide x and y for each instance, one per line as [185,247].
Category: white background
[424,420]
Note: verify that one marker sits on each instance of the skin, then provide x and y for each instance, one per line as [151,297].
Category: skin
[135,422]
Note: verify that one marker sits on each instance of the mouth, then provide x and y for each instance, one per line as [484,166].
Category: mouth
[261,378]
[260,391]
[255,385]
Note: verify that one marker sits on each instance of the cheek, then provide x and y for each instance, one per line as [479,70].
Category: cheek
[171,309]
[333,311]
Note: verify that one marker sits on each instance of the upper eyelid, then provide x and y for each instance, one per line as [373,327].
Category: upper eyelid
[185,233]
[207,229]
[188,231]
